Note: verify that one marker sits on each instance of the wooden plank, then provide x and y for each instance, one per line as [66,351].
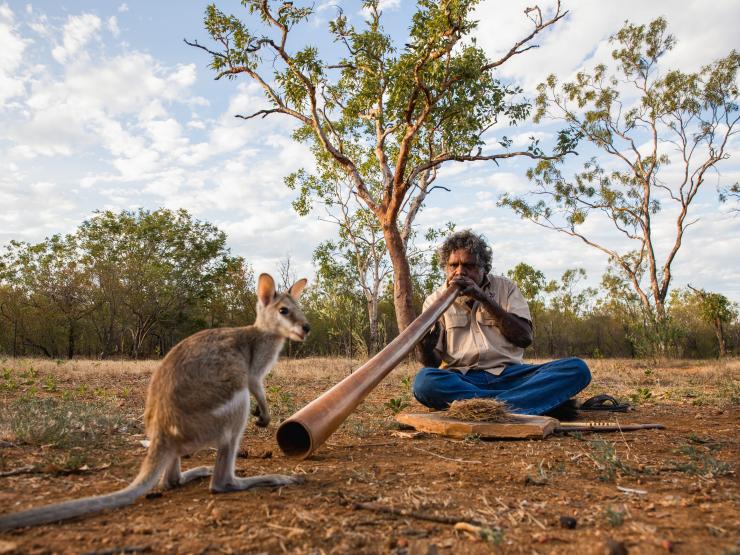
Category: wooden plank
[520,426]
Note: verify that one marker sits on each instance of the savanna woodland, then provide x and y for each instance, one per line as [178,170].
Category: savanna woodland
[85,315]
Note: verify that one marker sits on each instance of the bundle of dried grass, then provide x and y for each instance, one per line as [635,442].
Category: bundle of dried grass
[479,410]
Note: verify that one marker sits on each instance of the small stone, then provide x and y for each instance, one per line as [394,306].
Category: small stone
[613,547]
[568,522]
[667,545]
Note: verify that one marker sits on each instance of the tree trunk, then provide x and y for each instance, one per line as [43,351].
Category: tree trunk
[71,341]
[372,312]
[720,336]
[403,294]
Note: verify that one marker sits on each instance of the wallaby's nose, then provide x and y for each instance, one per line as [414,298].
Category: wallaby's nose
[306,328]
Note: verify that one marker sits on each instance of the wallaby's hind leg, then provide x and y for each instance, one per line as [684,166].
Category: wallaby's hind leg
[174,477]
[224,480]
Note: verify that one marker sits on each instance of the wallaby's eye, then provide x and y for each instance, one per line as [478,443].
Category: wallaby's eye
[283,310]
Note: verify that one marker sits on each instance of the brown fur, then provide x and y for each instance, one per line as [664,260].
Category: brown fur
[199,397]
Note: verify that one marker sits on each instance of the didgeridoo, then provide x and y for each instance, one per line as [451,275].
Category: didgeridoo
[305,431]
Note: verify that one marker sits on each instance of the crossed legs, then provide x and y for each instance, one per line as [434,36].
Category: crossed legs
[526,388]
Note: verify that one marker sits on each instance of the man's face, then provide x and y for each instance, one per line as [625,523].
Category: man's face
[463,263]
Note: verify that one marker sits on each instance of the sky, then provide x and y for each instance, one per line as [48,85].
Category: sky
[103,106]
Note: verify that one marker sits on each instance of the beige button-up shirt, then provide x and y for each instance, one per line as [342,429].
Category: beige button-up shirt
[470,338]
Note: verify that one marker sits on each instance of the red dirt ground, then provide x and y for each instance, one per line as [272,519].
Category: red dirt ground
[515,491]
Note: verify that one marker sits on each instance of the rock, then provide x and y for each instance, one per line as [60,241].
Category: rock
[568,522]
[613,547]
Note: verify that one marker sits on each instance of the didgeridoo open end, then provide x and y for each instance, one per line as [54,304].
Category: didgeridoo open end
[294,439]
[305,431]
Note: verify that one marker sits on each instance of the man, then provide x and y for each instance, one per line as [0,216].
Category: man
[476,347]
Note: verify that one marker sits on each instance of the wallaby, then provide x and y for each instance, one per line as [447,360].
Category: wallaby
[199,397]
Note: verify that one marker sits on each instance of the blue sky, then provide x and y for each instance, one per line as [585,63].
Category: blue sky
[102,106]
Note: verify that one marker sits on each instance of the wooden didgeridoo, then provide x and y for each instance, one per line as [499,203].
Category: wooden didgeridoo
[305,431]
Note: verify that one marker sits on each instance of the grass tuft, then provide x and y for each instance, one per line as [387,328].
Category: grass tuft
[63,423]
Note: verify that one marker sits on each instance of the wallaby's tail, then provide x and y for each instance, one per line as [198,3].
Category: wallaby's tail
[155,463]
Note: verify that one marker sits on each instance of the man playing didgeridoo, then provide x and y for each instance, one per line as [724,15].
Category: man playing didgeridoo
[475,349]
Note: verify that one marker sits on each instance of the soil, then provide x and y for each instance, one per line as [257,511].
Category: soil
[376,488]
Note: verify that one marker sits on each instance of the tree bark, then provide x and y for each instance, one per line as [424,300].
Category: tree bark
[71,340]
[403,296]
[720,336]
[372,311]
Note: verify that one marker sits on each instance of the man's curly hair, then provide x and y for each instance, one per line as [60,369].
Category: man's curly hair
[471,242]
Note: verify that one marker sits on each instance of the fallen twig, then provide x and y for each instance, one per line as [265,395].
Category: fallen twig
[28,469]
[443,457]
[632,490]
[355,445]
[413,514]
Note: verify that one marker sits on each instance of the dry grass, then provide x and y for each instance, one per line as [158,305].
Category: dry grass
[697,382]
[479,410]
[80,367]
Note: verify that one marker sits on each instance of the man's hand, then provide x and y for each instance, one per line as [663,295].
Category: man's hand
[468,288]
[425,349]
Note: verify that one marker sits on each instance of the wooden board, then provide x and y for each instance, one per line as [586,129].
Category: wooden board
[521,426]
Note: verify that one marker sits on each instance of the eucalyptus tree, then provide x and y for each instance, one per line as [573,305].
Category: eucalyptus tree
[659,134]
[385,116]
[153,266]
[50,280]
[358,257]
[716,310]
[732,194]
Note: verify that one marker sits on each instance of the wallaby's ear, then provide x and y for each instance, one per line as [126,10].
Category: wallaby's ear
[297,288]
[265,289]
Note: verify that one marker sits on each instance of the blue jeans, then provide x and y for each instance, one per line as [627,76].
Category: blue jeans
[526,388]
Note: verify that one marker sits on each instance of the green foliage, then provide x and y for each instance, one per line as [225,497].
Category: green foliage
[641,395]
[702,463]
[614,517]
[281,402]
[531,282]
[397,404]
[608,462]
[127,283]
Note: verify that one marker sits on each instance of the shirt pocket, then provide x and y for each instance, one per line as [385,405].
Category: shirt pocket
[456,328]
[485,319]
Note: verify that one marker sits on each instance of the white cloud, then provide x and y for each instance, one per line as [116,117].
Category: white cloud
[6,13]
[12,48]
[389,5]
[78,31]
[582,37]
[123,8]
[112,25]
[385,6]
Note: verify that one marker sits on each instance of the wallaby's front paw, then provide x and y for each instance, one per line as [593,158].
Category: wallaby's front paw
[263,420]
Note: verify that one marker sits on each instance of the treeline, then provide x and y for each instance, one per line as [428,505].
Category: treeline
[133,284]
